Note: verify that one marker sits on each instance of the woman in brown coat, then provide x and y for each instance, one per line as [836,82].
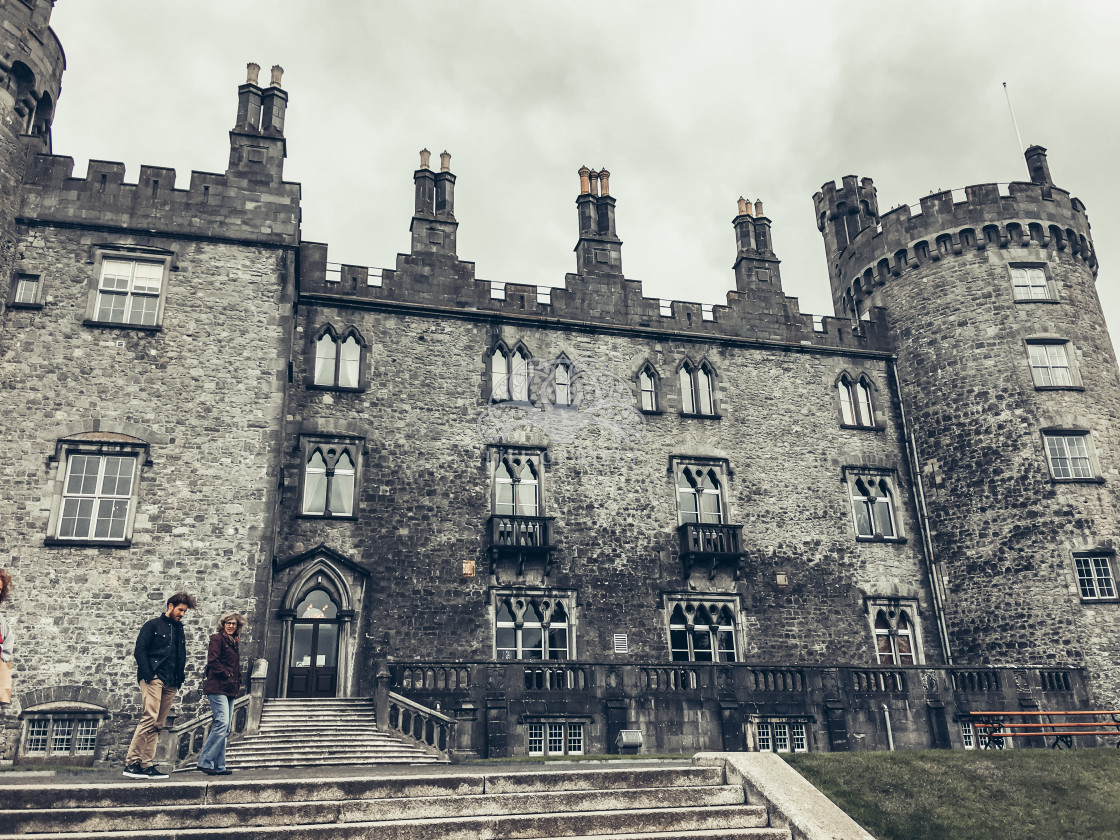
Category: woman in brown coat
[222,686]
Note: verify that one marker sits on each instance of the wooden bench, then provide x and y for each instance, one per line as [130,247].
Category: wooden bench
[993,727]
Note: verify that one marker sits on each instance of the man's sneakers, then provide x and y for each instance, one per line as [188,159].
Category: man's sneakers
[136,771]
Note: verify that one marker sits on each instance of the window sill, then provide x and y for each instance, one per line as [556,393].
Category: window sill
[66,541]
[341,389]
[1113,600]
[692,416]
[1059,387]
[652,412]
[325,517]
[880,539]
[859,428]
[89,322]
[1036,300]
[25,305]
[1092,480]
[519,403]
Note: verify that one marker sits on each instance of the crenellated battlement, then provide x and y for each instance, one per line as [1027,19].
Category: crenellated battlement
[241,204]
[943,225]
[596,300]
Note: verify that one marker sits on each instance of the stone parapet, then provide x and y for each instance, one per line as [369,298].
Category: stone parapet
[697,706]
[594,300]
[237,205]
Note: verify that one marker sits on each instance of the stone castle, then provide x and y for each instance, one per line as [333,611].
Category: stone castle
[569,512]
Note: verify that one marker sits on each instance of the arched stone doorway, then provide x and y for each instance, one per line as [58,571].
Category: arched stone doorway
[318,612]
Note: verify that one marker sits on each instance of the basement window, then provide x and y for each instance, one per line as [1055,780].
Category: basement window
[60,736]
[556,738]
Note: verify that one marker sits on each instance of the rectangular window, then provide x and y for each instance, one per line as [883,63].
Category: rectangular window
[96,497]
[1030,284]
[26,291]
[128,292]
[1094,577]
[967,736]
[35,740]
[1050,365]
[782,736]
[555,738]
[60,736]
[536,739]
[1068,455]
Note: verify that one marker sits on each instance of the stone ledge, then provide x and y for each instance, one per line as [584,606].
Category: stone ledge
[793,803]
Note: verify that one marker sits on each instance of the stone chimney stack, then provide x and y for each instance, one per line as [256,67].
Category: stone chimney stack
[756,266]
[433,224]
[599,250]
[257,145]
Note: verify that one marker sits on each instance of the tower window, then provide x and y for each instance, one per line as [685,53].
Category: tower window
[1031,283]
[894,630]
[1095,579]
[128,292]
[1050,364]
[1069,456]
[509,374]
[702,631]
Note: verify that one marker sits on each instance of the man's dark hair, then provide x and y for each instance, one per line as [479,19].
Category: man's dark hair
[181,598]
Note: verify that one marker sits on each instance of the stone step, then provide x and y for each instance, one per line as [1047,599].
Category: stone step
[331,759]
[194,789]
[685,800]
[718,821]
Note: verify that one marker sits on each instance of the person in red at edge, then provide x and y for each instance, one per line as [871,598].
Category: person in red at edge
[222,687]
[161,659]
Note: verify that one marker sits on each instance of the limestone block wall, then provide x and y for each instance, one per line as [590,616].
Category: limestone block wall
[425,488]
[206,393]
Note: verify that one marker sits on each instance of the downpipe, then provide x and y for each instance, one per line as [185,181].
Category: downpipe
[890,734]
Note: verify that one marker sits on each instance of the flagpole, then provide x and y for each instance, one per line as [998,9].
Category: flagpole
[1013,120]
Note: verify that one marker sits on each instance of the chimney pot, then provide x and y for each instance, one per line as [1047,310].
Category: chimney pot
[252,73]
[445,161]
[425,156]
[604,182]
[744,207]
[593,179]
[277,74]
[758,209]
[584,184]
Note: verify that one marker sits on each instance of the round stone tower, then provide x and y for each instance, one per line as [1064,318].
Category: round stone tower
[31,65]
[1012,397]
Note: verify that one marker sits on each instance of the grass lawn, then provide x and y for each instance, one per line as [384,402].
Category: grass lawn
[1039,794]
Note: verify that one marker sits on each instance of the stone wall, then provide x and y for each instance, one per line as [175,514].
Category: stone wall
[425,487]
[206,393]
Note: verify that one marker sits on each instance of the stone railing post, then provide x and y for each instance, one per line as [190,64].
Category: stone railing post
[166,747]
[256,696]
[381,698]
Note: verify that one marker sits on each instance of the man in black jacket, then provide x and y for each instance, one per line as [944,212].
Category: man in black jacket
[161,657]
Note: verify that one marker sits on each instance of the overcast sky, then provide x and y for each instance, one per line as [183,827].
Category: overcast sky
[688,104]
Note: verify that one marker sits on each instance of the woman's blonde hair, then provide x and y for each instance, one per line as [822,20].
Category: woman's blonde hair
[232,616]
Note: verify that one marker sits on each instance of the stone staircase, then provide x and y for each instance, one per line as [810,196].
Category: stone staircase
[302,733]
[623,803]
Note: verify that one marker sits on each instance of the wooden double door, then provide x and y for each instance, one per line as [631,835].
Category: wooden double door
[313,666]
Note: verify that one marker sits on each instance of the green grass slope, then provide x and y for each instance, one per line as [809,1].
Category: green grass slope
[1039,794]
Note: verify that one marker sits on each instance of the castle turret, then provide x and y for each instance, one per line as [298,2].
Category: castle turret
[31,66]
[1009,383]
[599,250]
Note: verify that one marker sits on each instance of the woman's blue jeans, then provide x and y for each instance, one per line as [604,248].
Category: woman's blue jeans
[213,755]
